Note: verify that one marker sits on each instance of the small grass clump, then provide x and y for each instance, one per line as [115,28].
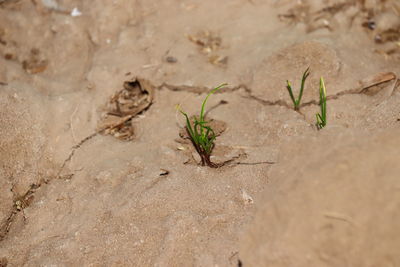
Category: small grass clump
[200,133]
[296,102]
[321,117]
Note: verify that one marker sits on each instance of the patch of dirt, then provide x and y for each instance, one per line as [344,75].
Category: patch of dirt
[72,195]
[338,208]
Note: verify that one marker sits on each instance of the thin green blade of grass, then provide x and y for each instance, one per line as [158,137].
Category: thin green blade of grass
[289,87]
[188,124]
[205,100]
[321,117]
[296,102]
[303,81]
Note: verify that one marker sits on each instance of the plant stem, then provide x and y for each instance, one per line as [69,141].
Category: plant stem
[321,117]
[296,102]
[205,100]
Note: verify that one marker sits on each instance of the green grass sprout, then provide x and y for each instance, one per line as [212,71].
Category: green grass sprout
[296,102]
[321,117]
[201,134]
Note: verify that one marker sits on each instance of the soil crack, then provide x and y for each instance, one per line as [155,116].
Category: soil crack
[256,163]
[73,150]
[366,87]
[198,89]
[22,202]
[19,204]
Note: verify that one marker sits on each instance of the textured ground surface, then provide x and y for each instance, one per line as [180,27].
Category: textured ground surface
[292,196]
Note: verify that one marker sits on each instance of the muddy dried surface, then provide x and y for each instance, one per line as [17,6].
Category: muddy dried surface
[96,169]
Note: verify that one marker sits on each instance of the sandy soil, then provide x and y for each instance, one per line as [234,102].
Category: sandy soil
[288,195]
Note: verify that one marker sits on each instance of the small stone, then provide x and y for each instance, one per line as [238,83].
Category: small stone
[171,59]
[247,198]
[75,12]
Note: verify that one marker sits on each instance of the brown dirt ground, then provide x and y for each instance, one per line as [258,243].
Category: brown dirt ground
[292,196]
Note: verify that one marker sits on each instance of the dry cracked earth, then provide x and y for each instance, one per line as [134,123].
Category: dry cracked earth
[94,169]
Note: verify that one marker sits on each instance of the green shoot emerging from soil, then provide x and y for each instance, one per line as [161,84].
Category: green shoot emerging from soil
[201,134]
[321,117]
[296,102]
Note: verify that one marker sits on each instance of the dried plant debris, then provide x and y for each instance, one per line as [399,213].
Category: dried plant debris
[8,47]
[33,60]
[3,261]
[325,15]
[207,41]
[380,18]
[298,13]
[377,80]
[388,35]
[209,44]
[384,29]
[383,23]
[136,96]
[6,2]
[314,19]
[35,63]
[393,52]
[380,86]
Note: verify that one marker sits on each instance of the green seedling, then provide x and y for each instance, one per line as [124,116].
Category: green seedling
[200,133]
[296,102]
[321,117]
